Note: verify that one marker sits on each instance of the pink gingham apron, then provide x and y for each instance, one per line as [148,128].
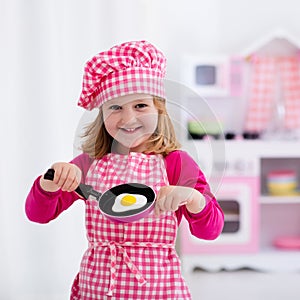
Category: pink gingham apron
[129,260]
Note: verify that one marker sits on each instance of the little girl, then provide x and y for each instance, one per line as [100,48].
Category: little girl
[131,140]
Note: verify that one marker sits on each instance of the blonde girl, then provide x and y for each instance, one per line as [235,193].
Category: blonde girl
[131,140]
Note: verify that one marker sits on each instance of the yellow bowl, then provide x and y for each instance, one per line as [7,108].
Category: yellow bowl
[288,193]
[282,188]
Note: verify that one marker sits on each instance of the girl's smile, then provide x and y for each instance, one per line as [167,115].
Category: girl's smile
[131,130]
[130,120]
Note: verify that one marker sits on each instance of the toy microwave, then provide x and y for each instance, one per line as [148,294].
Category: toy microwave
[207,76]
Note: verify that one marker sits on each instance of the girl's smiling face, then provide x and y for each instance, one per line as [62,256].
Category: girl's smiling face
[130,120]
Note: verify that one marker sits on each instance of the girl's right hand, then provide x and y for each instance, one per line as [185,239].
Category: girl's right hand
[67,177]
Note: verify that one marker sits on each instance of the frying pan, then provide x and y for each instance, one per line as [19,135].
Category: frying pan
[107,199]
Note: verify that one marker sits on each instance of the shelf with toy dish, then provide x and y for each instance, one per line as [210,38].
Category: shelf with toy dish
[282,186]
[280,179]
[282,182]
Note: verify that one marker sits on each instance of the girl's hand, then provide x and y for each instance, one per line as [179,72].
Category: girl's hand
[67,177]
[171,197]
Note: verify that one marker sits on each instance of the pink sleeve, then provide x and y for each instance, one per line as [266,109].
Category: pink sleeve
[42,206]
[182,170]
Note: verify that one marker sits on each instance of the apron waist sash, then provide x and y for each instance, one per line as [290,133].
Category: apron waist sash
[114,246]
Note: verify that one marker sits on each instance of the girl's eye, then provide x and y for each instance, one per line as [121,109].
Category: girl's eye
[115,107]
[141,105]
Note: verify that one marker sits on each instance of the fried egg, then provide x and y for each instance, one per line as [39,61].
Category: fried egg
[126,202]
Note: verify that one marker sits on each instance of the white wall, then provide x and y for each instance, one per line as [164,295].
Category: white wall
[44,44]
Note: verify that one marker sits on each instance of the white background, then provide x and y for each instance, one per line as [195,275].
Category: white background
[44,45]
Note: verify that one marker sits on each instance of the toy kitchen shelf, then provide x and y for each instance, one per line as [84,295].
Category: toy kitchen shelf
[253,218]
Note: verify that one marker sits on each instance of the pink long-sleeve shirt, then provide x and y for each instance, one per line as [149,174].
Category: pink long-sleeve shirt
[42,206]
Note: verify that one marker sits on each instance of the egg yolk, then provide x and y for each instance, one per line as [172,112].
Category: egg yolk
[128,200]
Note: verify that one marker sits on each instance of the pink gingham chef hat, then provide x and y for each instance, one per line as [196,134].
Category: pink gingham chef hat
[132,67]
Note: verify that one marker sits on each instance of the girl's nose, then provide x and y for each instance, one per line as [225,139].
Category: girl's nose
[128,116]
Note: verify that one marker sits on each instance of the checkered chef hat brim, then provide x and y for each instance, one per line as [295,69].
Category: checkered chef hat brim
[133,67]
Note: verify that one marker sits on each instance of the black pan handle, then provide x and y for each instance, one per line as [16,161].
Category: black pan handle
[49,175]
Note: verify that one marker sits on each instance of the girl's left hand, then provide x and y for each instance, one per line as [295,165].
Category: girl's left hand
[171,197]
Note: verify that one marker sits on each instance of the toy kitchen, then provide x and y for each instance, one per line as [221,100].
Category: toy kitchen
[249,149]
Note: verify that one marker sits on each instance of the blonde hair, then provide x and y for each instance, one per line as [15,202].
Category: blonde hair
[98,141]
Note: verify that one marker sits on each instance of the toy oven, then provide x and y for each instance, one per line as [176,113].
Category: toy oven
[238,198]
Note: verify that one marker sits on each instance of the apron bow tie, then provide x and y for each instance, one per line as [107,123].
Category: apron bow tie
[114,247]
